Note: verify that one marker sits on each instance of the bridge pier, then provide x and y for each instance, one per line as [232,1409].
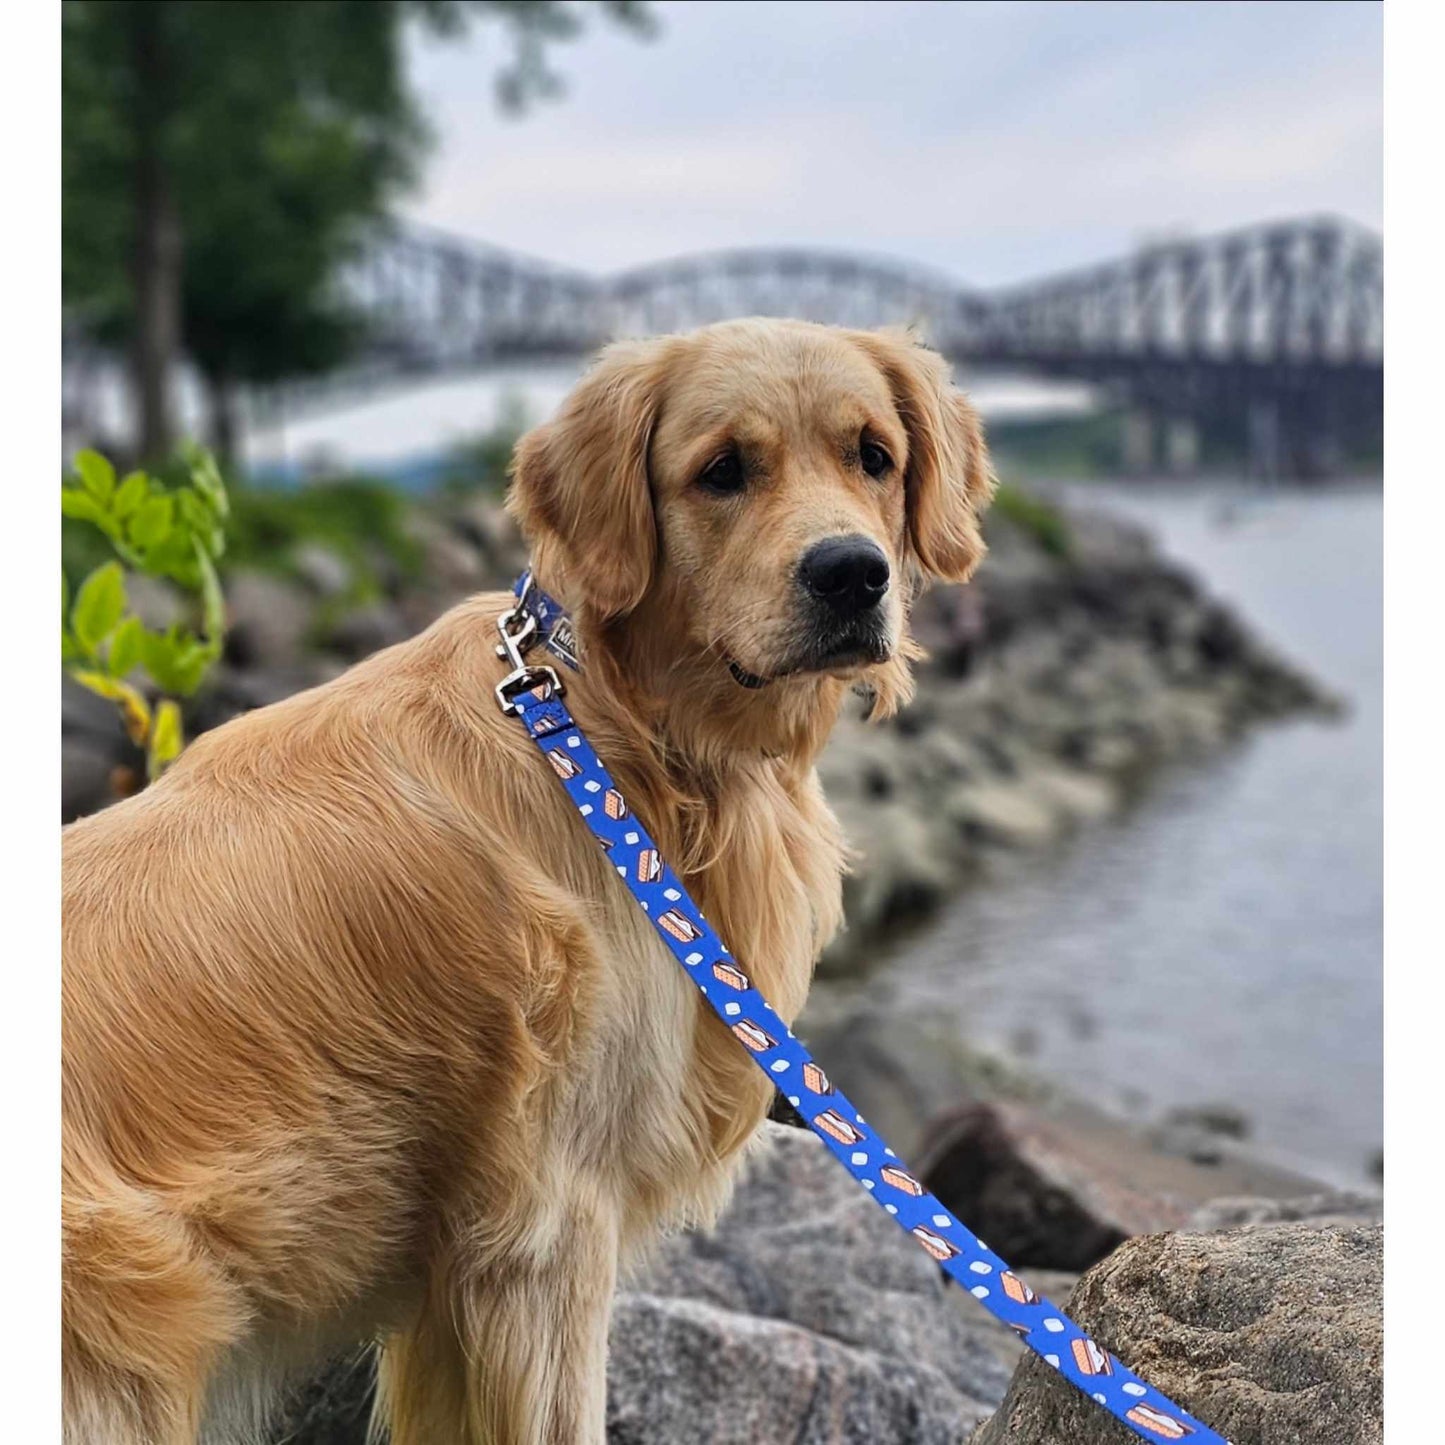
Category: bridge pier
[1301,438]
[1156,440]
[1181,446]
[1265,441]
[1138,442]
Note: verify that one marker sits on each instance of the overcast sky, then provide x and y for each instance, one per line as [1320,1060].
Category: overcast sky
[996,141]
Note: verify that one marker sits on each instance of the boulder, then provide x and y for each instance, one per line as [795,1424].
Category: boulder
[842,1327]
[451,564]
[1022,1185]
[86,764]
[1008,815]
[1272,1334]
[687,1373]
[805,1316]
[84,713]
[948,622]
[1332,1206]
[902,878]
[268,620]
[367,629]
[321,569]
[1056,1184]
[904,1072]
[1198,1133]
[479,521]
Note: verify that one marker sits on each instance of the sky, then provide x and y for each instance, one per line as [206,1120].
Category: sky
[996,142]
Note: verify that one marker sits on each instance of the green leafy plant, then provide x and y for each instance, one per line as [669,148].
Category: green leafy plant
[173,533]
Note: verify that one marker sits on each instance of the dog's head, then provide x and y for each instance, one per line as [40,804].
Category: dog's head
[763,496]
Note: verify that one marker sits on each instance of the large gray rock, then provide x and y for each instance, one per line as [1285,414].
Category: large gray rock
[1056,1184]
[86,767]
[268,620]
[1345,1206]
[904,1071]
[321,569]
[840,1325]
[688,1373]
[1272,1334]
[807,1316]
[84,713]
[366,629]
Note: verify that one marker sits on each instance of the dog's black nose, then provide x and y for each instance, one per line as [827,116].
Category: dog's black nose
[849,574]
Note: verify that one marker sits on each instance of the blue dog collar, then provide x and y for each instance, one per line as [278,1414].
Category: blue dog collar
[554,624]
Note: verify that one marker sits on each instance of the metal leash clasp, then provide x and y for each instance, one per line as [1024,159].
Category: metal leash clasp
[518,629]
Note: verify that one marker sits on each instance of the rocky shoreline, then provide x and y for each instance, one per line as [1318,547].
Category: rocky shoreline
[1078,662]
[1055,685]
[808,1317]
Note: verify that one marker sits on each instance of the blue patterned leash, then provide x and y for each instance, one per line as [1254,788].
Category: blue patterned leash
[534,693]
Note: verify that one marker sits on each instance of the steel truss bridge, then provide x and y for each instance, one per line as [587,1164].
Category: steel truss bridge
[1271,336]
[1274,333]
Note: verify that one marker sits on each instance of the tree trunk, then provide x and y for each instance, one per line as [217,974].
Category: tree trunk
[156,260]
[223,403]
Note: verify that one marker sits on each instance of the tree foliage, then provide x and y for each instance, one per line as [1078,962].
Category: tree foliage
[269,135]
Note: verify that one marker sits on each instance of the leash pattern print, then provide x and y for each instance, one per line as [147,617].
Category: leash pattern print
[757,1027]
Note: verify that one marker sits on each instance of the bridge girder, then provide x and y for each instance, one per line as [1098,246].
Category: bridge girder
[1305,293]
[1274,307]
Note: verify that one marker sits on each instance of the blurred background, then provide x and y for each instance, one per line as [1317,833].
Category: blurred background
[1126,847]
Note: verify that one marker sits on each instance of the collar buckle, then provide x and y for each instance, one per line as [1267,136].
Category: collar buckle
[517,628]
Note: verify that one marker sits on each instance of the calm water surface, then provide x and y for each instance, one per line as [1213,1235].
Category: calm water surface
[1221,941]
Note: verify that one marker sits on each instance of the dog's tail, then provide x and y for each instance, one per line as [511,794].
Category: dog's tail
[144,1312]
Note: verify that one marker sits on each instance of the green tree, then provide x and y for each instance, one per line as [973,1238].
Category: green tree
[221,159]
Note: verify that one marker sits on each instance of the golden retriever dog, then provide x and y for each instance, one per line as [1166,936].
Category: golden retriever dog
[363,1037]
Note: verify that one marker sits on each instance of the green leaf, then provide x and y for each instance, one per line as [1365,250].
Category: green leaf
[81,505]
[64,598]
[176,660]
[157,650]
[206,478]
[96,473]
[189,667]
[193,510]
[125,647]
[212,604]
[99,605]
[131,493]
[174,557]
[152,523]
[70,650]
[167,738]
[134,712]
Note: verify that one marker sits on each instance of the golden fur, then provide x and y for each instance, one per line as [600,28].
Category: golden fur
[363,1039]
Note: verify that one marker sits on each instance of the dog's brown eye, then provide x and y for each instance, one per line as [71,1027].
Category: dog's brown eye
[723,476]
[873,459]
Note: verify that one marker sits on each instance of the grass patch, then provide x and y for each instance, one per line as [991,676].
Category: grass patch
[1036,518]
[355,517]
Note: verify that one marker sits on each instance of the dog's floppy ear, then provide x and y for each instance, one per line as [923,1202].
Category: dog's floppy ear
[950,480]
[580,490]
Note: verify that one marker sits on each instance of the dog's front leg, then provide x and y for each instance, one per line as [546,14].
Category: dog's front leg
[511,1352]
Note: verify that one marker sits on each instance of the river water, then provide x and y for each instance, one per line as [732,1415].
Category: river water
[1221,940]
